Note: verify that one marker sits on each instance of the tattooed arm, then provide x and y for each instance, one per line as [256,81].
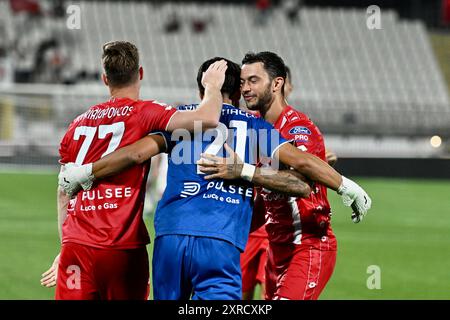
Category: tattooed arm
[288,182]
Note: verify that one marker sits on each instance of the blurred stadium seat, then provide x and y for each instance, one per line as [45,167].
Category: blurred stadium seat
[351,80]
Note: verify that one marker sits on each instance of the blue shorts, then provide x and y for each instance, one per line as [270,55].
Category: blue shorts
[199,268]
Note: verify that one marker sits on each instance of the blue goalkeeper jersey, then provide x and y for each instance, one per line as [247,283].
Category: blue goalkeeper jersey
[215,208]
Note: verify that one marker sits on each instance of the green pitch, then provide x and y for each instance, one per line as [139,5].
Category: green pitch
[406,235]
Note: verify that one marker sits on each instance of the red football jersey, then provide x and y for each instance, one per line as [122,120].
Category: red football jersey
[300,220]
[259,233]
[110,214]
[259,209]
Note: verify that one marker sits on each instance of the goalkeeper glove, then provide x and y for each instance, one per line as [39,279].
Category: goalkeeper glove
[73,177]
[355,196]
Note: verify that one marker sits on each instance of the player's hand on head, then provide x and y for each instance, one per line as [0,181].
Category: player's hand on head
[50,276]
[73,177]
[355,196]
[214,76]
[221,168]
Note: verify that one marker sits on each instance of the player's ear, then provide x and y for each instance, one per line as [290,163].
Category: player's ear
[277,84]
[105,79]
[141,73]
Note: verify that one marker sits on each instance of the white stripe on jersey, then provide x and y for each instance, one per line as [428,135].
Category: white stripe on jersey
[283,123]
[296,221]
[309,272]
[280,298]
[320,267]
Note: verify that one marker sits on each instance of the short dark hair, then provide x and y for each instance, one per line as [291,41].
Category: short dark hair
[288,73]
[273,63]
[232,81]
[120,60]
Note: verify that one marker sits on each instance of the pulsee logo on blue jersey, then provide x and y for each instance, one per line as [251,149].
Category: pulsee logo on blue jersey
[300,130]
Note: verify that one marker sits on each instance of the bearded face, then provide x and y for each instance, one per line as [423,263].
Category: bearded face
[256,87]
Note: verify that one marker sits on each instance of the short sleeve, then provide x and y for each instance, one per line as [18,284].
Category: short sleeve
[66,154]
[63,150]
[168,135]
[155,116]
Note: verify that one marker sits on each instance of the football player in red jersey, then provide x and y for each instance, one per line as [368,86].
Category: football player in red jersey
[302,245]
[254,258]
[103,235]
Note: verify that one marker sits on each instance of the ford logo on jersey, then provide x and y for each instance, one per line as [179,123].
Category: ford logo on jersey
[300,130]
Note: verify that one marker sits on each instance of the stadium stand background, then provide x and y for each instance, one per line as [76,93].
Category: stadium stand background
[376,94]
